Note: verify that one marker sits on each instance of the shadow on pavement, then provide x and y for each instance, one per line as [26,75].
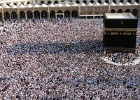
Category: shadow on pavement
[44,48]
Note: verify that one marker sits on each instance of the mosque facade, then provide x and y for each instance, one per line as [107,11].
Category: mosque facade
[18,9]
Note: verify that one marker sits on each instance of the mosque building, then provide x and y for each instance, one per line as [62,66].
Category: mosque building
[19,9]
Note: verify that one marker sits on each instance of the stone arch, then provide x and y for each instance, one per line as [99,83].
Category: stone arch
[91,1]
[75,13]
[99,1]
[59,11]
[129,1]
[121,1]
[107,1]
[14,15]
[84,1]
[127,11]
[6,15]
[59,16]
[22,3]
[135,12]
[77,2]
[67,13]
[29,14]
[52,14]
[8,4]
[15,4]
[120,11]
[55,2]
[28,2]
[22,14]
[137,1]
[36,14]
[42,2]
[43,14]
[49,2]
[114,1]
[113,11]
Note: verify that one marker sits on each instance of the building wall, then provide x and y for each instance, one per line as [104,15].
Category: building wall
[82,7]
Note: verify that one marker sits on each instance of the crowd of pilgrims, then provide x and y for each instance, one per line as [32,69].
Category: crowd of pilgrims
[50,60]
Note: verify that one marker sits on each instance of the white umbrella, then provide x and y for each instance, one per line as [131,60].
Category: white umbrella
[89,4]
[96,4]
[43,5]
[119,4]
[6,6]
[14,6]
[104,4]
[82,4]
[36,5]
[22,6]
[29,6]
[75,4]
[60,5]
[126,3]
[112,4]
[51,5]
[134,3]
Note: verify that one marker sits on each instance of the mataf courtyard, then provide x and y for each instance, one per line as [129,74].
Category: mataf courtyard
[63,59]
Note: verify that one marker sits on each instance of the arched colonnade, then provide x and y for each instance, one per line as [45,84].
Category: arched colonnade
[53,14]
[134,11]
[38,14]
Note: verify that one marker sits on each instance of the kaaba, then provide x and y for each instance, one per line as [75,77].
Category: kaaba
[119,32]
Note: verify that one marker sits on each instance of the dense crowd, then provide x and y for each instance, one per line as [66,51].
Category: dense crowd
[61,60]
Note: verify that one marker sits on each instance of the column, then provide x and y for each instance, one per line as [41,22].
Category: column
[33,15]
[93,9]
[86,12]
[18,16]
[63,14]
[79,10]
[109,9]
[26,15]
[48,13]
[56,14]
[70,14]
[40,14]
[10,15]
[2,14]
